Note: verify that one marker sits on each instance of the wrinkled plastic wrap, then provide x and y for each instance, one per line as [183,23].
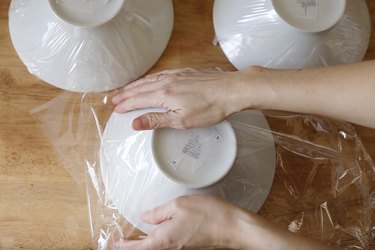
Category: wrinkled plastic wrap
[93,59]
[252,33]
[323,186]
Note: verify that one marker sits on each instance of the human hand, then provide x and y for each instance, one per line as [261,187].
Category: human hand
[190,222]
[192,98]
[204,222]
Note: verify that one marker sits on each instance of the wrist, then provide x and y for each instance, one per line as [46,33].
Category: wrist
[244,234]
[256,90]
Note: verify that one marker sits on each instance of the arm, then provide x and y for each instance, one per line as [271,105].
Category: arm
[344,92]
[197,222]
[196,98]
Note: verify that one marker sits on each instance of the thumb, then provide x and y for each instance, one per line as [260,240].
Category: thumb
[153,120]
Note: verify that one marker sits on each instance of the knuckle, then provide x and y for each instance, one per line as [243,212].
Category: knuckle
[154,120]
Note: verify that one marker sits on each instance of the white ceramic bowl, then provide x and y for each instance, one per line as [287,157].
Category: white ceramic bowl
[291,33]
[94,46]
[195,158]
[134,183]
[83,13]
[310,16]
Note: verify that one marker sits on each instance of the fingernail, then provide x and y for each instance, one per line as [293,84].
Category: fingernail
[138,124]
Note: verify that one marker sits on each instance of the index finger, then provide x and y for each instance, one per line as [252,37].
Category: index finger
[154,77]
[146,244]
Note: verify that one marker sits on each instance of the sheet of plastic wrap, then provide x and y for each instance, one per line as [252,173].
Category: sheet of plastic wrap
[252,33]
[323,187]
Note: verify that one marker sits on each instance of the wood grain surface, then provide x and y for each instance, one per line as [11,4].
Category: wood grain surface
[41,205]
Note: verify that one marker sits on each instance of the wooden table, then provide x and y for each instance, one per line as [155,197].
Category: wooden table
[41,205]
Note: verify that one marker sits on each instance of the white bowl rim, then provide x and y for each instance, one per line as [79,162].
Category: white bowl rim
[209,181]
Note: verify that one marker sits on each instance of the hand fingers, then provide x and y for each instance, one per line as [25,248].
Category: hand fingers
[147,79]
[155,81]
[157,77]
[151,120]
[159,214]
[177,72]
[144,100]
[173,71]
[136,91]
[146,244]
[155,216]
[155,121]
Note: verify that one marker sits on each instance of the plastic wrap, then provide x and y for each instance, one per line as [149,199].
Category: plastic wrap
[133,183]
[323,186]
[90,59]
[253,33]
